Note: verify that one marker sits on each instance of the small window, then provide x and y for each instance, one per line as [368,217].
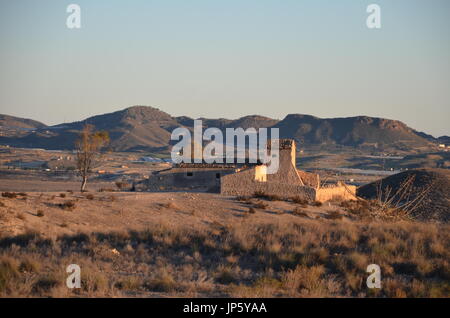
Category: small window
[217,175]
[189,174]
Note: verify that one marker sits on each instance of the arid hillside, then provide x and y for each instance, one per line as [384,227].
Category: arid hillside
[146,128]
[204,245]
[426,192]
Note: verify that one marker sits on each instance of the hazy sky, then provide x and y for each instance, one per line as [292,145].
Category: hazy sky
[227,58]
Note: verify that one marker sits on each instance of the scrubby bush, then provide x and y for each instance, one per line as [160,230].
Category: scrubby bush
[270,197]
[260,205]
[68,205]
[122,185]
[299,212]
[299,200]
[10,195]
[334,215]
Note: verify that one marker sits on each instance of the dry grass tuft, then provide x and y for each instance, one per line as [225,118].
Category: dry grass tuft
[170,205]
[300,201]
[67,205]
[270,197]
[21,216]
[121,186]
[299,212]
[244,199]
[8,274]
[334,215]
[260,205]
[9,195]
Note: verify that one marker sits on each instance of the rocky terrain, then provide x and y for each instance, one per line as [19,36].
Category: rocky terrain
[147,128]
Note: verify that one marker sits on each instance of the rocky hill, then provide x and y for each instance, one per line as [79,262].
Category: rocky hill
[147,128]
[12,122]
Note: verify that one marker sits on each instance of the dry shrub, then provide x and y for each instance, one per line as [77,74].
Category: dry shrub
[70,191]
[122,185]
[164,282]
[130,283]
[170,205]
[334,215]
[92,280]
[251,210]
[105,190]
[68,205]
[260,205]
[243,199]
[337,199]
[225,275]
[270,197]
[2,205]
[40,213]
[8,273]
[299,200]
[374,210]
[90,196]
[299,212]
[9,195]
[62,195]
[305,280]
[21,216]
[316,203]
[29,265]
[46,283]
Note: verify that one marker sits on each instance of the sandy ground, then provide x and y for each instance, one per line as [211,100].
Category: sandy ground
[49,186]
[118,211]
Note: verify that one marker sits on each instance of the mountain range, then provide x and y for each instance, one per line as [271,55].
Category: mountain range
[145,128]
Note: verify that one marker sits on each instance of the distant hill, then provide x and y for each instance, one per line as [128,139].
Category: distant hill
[444,140]
[11,122]
[148,128]
[350,131]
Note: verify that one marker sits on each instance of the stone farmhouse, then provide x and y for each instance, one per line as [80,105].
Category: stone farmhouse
[246,179]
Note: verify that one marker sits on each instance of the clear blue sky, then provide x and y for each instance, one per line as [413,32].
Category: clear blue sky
[227,58]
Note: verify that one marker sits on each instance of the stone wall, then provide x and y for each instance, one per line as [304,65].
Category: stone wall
[309,179]
[339,192]
[244,183]
[180,179]
[287,173]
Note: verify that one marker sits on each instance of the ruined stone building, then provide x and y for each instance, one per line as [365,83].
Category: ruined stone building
[246,179]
